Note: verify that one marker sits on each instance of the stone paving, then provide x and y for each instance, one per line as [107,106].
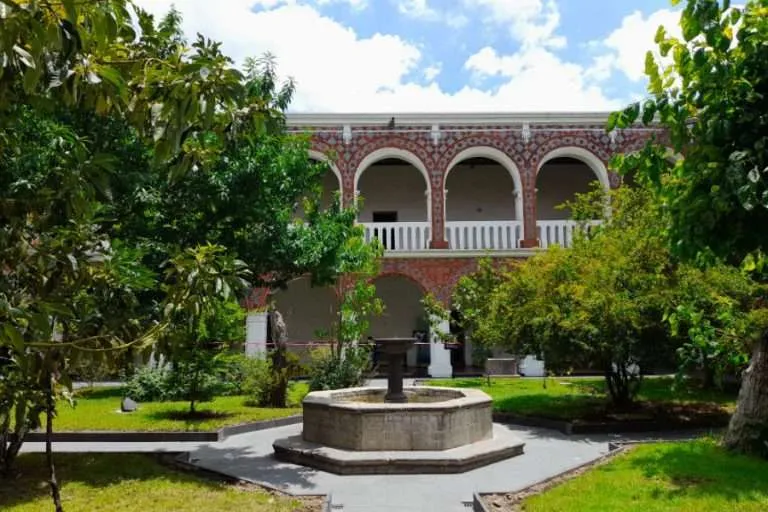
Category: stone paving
[249,456]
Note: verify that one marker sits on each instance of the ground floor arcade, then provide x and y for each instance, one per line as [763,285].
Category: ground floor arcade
[309,313]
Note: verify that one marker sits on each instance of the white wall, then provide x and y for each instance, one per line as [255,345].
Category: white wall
[479,193]
[402,311]
[305,309]
[399,188]
[557,183]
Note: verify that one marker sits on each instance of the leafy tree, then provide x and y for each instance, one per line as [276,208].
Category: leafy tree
[348,358]
[710,97]
[85,277]
[201,284]
[597,304]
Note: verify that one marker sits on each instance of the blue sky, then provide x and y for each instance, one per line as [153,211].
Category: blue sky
[442,55]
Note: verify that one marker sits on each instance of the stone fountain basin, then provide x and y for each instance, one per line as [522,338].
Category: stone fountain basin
[435,419]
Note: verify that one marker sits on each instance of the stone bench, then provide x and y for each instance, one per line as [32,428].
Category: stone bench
[501,367]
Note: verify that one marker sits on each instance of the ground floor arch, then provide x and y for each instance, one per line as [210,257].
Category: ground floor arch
[308,311]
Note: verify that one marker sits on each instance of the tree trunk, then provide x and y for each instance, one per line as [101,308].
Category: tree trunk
[748,430]
[49,448]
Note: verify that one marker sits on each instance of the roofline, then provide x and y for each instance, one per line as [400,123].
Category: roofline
[445,118]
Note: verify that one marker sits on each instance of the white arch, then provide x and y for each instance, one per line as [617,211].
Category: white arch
[322,157]
[500,158]
[400,154]
[585,156]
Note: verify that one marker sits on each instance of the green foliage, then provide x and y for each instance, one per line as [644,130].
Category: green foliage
[348,360]
[710,101]
[329,371]
[709,309]
[598,304]
[204,321]
[148,384]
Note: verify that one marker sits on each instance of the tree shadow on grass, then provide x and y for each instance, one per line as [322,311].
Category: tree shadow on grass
[556,407]
[701,469]
[99,393]
[191,420]
[91,470]
[143,474]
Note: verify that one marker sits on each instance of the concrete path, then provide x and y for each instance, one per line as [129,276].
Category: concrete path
[249,456]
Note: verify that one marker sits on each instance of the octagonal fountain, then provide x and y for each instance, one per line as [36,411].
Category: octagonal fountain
[398,429]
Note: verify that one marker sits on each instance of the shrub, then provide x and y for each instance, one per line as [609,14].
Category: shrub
[329,371]
[148,384]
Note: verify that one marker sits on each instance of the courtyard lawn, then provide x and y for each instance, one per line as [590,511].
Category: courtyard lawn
[580,398]
[129,483]
[98,409]
[696,476]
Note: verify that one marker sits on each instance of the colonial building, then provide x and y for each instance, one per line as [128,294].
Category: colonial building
[440,191]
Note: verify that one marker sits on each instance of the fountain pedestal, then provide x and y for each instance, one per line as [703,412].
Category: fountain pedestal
[395,349]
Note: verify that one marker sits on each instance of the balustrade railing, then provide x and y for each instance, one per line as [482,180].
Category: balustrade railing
[559,232]
[483,235]
[399,236]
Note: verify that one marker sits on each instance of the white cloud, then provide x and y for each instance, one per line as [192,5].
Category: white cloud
[431,72]
[627,45]
[531,22]
[421,10]
[337,70]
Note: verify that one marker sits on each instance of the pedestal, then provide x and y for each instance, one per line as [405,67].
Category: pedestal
[256,333]
[440,357]
[395,379]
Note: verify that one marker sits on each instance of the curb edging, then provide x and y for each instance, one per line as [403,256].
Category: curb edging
[106,436]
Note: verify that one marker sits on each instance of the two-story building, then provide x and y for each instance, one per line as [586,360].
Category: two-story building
[440,191]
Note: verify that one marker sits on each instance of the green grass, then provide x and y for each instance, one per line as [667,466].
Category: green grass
[571,398]
[694,476]
[127,483]
[98,409]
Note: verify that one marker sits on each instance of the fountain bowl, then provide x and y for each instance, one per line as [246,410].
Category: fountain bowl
[433,418]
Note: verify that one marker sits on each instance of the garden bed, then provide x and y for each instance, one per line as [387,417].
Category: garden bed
[580,405]
[137,482]
[696,475]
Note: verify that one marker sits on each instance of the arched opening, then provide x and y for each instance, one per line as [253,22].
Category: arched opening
[331,186]
[308,312]
[564,173]
[403,317]
[394,188]
[482,201]
[558,181]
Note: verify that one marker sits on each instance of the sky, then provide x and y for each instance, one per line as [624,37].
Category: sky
[371,56]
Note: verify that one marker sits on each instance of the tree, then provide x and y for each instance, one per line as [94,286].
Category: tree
[66,243]
[710,95]
[201,283]
[347,360]
[598,304]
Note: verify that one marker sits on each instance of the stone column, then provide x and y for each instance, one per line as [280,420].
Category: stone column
[438,216]
[530,231]
[256,333]
[439,356]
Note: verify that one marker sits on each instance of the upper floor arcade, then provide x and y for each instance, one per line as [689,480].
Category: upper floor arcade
[465,182]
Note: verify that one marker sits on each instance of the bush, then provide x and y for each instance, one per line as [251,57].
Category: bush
[260,382]
[148,384]
[329,371]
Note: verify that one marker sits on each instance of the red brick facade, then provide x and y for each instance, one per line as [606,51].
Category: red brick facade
[529,145]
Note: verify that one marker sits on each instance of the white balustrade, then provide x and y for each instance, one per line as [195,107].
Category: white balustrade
[483,235]
[559,232]
[399,236]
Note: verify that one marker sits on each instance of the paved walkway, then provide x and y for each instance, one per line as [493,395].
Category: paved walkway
[249,456]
